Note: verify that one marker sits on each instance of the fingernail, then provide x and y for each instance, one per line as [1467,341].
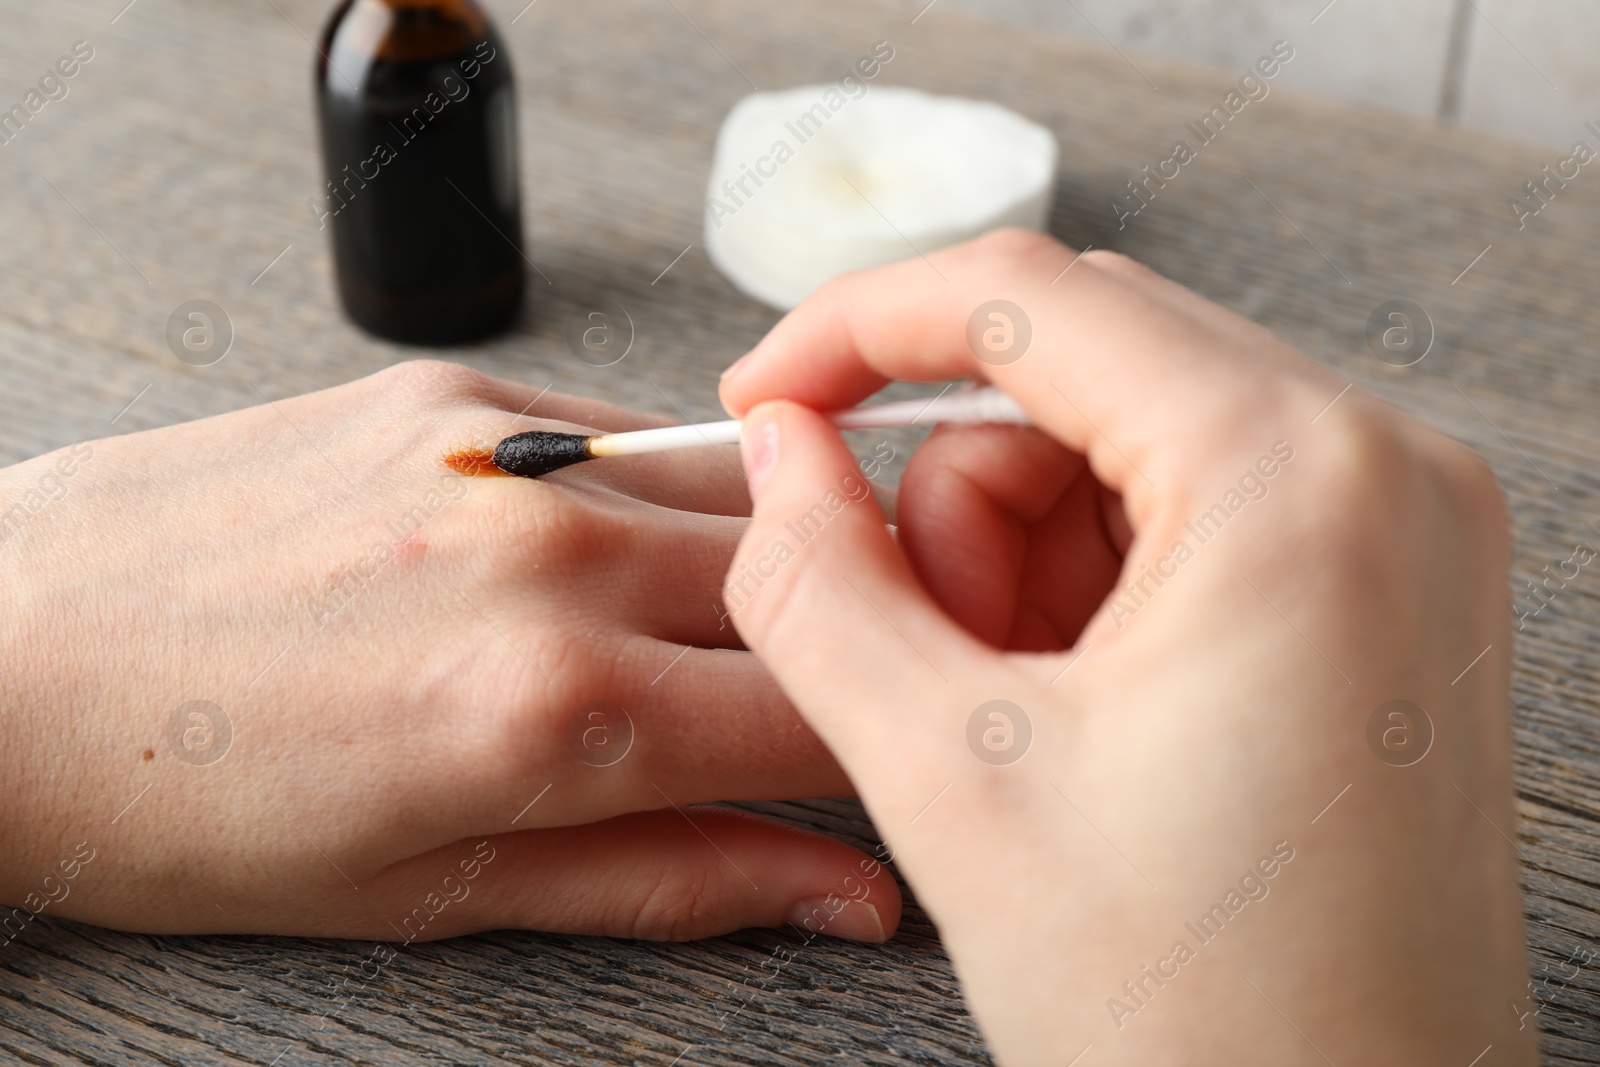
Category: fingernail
[856,920]
[759,444]
[732,367]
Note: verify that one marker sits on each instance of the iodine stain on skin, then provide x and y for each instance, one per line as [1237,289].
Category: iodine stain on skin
[473,462]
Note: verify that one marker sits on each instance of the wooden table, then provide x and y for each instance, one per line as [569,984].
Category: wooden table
[178,168]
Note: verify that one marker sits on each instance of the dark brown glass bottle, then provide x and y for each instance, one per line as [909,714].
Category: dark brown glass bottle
[417,109]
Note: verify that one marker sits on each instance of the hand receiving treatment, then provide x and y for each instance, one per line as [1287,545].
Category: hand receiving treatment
[1186,712]
[284,671]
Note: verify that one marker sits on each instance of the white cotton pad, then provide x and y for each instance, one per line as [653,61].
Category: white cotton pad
[813,182]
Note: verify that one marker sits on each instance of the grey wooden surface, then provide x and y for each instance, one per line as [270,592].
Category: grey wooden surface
[178,167]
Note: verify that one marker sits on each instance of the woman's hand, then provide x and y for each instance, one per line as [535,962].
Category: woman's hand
[1186,712]
[282,671]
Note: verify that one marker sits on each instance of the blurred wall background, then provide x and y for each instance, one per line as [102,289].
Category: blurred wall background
[1525,69]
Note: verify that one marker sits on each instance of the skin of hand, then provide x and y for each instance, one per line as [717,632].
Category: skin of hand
[1209,850]
[405,659]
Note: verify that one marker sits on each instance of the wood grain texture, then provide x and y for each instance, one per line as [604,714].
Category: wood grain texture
[179,166]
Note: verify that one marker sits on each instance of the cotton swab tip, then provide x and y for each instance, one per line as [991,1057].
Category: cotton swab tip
[539,452]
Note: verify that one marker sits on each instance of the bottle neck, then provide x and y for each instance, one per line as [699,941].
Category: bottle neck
[404,31]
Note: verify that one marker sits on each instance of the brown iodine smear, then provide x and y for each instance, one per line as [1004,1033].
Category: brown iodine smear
[473,462]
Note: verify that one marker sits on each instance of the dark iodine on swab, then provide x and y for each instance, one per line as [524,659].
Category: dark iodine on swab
[539,452]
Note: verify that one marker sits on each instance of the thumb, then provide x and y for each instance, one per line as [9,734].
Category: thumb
[822,594]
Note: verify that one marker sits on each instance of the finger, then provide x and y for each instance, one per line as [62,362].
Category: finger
[969,494]
[705,481]
[714,725]
[1004,528]
[669,875]
[822,594]
[1115,369]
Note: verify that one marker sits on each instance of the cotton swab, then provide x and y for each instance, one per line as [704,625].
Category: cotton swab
[539,452]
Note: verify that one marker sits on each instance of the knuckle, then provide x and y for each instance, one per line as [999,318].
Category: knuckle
[1342,504]
[433,380]
[528,694]
[1472,491]
[1016,242]
[1385,489]
[1405,522]
[1469,474]
[1359,461]
[833,296]
[538,723]
[1116,263]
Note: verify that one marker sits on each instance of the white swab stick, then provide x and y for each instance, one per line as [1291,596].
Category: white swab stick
[987,405]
